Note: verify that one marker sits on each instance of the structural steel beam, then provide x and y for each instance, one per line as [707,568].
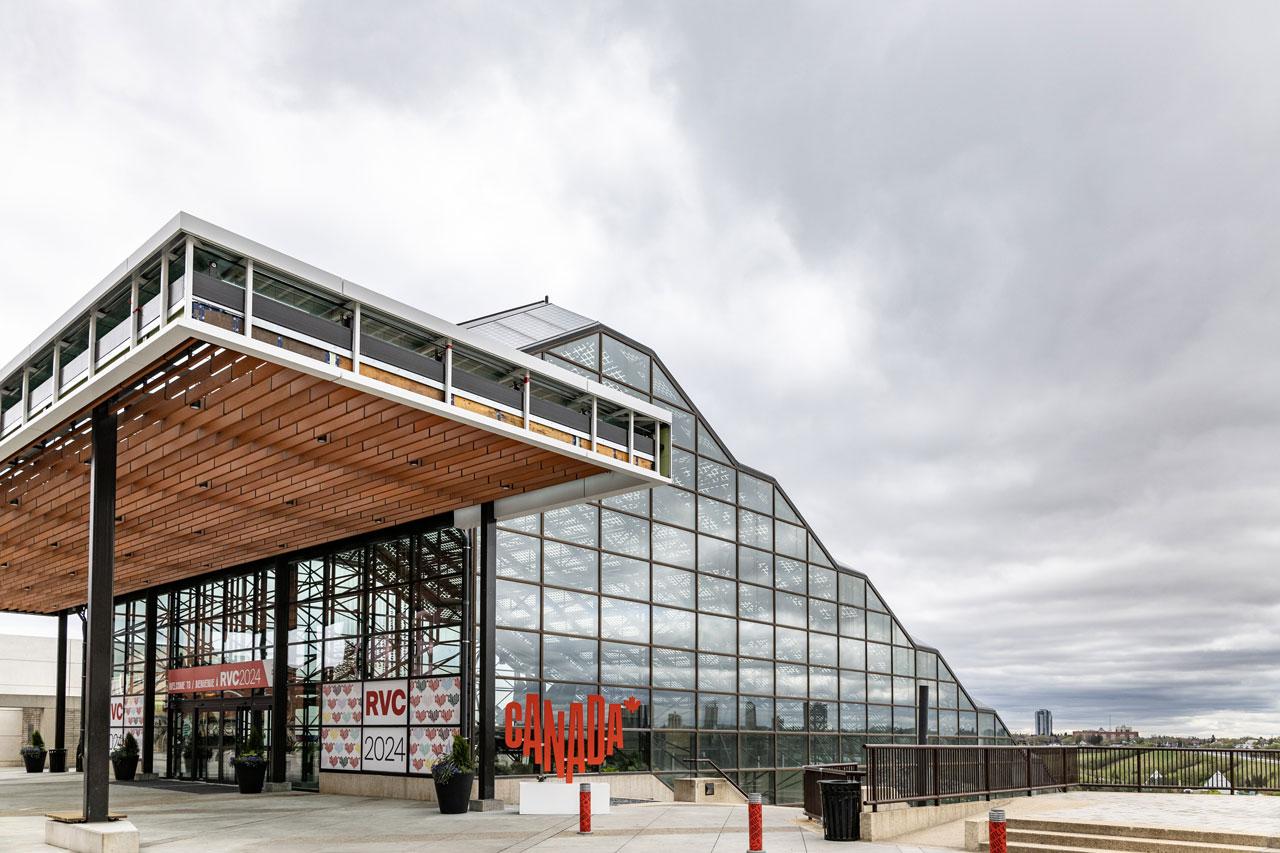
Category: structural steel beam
[488,638]
[60,697]
[149,687]
[96,702]
[280,671]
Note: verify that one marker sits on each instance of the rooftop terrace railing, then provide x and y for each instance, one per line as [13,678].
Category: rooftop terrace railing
[934,773]
[231,293]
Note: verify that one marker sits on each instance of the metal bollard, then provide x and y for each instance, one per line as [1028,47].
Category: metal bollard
[996,831]
[584,808]
[755,823]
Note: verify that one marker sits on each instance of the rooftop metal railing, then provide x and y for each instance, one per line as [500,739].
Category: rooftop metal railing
[934,773]
[234,293]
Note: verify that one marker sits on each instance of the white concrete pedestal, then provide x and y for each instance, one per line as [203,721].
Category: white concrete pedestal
[117,836]
[555,797]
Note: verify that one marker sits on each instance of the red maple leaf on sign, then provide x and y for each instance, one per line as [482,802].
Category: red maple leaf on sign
[631,704]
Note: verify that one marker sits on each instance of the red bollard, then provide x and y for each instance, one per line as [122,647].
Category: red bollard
[995,831]
[584,808]
[755,823]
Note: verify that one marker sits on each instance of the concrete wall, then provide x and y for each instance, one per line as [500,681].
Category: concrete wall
[630,786]
[897,819]
[28,679]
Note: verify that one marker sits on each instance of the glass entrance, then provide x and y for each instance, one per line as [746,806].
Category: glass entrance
[208,733]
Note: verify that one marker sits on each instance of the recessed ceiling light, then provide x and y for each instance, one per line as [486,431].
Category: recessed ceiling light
[291,502]
[197,404]
[199,532]
[53,544]
[416,463]
[203,484]
[14,501]
[323,438]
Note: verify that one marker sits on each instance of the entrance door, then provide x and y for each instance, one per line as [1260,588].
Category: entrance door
[208,734]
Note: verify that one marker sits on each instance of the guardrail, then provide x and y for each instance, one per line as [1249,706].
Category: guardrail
[934,773]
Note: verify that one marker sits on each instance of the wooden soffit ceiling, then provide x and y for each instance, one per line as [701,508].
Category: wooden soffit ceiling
[225,458]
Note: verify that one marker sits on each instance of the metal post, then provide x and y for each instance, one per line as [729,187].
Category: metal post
[448,373]
[149,688]
[280,672]
[93,342]
[57,369]
[96,703]
[1138,757]
[1231,771]
[189,276]
[584,808]
[922,738]
[525,401]
[164,287]
[996,835]
[755,823]
[357,319]
[248,298]
[488,638]
[84,680]
[26,393]
[1028,771]
[595,429]
[631,437]
[135,311]
[986,771]
[60,697]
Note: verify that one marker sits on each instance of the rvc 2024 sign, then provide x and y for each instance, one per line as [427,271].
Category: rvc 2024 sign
[591,732]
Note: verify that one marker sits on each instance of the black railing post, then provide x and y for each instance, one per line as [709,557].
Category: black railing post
[96,703]
[986,771]
[1138,758]
[1028,771]
[1231,771]
[872,779]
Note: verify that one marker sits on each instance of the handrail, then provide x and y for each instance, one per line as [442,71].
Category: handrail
[716,767]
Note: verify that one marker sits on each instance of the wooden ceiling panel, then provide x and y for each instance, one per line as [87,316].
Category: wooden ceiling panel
[225,459]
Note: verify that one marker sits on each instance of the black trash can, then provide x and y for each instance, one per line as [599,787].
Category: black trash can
[841,809]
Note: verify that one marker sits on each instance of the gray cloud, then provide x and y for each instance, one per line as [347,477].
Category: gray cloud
[1002,275]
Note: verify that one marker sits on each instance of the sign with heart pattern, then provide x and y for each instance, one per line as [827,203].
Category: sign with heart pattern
[340,748]
[427,745]
[341,703]
[435,701]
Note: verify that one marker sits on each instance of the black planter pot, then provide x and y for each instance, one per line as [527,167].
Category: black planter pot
[125,768]
[454,795]
[34,760]
[57,761]
[251,776]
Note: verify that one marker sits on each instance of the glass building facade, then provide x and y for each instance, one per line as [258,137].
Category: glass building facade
[710,601]
[714,603]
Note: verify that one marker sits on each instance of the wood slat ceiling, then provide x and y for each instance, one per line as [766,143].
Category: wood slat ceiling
[227,458]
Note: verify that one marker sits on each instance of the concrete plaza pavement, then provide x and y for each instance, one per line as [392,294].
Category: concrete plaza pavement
[205,819]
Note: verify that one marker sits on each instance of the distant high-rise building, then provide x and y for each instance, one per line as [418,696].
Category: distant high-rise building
[1044,723]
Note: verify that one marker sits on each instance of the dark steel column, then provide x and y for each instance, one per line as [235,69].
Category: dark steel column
[280,672]
[84,680]
[96,703]
[922,715]
[488,620]
[149,688]
[60,697]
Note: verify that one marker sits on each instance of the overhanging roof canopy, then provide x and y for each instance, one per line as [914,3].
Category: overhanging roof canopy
[266,407]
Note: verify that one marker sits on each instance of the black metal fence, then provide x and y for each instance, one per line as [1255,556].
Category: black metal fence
[936,773]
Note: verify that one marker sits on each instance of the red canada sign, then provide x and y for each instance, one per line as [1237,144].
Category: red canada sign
[591,732]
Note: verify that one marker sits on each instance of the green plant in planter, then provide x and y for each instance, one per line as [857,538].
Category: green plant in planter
[251,752]
[460,760]
[128,748]
[35,745]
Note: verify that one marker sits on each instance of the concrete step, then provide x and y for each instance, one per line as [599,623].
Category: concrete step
[1154,833]
[1082,844]
[1129,844]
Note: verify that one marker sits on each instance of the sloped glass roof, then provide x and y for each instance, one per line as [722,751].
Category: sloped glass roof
[529,325]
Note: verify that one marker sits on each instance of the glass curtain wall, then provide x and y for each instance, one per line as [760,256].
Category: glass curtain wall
[711,602]
[387,608]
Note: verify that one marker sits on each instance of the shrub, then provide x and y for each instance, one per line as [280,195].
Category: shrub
[460,760]
[128,748]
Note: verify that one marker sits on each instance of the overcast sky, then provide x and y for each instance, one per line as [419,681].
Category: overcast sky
[992,288]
